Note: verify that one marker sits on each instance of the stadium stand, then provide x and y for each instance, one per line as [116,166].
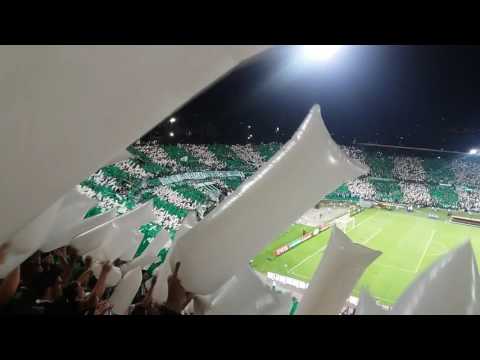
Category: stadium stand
[381,166]
[416,179]
[420,179]
[361,189]
[413,179]
[415,194]
[341,193]
[266,151]
[438,170]
[386,190]
[444,196]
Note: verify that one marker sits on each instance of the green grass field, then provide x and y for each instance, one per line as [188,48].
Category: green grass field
[409,244]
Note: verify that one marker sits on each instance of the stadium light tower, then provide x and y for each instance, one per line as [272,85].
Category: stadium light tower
[320,52]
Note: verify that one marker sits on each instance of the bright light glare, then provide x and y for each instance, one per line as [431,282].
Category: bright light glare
[320,52]
[172,120]
[473,151]
[171,134]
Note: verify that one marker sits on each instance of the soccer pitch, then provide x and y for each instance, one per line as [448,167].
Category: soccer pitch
[409,244]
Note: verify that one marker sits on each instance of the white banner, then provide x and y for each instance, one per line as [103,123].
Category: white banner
[201,175]
[287,280]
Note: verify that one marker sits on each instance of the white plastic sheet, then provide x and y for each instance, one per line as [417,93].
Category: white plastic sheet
[140,262]
[130,252]
[113,277]
[189,309]
[247,294]
[121,228]
[342,265]
[132,220]
[188,223]
[116,243]
[450,286]
[125,291]
[92,222]
[32,236]
[160,291]
[12,261]
[93,238]
[59,104]
[68,220]
[367,305]
[124,233]
[309,166]
[157,244]
[122,155]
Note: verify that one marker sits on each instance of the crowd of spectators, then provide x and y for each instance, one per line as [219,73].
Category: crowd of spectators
[248,154]
[408,168]
[134,169]
[356,154]
[467,172]
[469,200]
[416,194]
[63,283]
[205,156]
[362,189]
[414,179]
[446,181]
[381,165]
[159,156]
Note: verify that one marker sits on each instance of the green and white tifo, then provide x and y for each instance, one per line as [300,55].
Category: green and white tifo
[409,243]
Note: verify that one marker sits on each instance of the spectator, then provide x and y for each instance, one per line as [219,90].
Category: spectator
[76,302]
[9,285]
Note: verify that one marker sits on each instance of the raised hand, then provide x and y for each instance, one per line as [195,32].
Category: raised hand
[178,297]
[106,267]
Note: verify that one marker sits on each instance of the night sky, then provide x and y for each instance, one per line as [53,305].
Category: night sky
[425,96]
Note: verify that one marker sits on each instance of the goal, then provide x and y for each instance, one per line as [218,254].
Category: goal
[345,223]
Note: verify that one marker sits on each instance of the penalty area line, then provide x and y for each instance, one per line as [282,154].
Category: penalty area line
[425,250]
[306,259]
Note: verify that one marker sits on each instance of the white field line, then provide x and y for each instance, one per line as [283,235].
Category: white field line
[292,269]
[371,237]
[307,258]
[395,268]
[303,277]
[363,221]
[425,250]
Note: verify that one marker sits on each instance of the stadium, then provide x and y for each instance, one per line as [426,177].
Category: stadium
[304,226]
[432,193]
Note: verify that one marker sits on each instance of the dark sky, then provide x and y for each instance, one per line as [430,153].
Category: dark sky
[427,95]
